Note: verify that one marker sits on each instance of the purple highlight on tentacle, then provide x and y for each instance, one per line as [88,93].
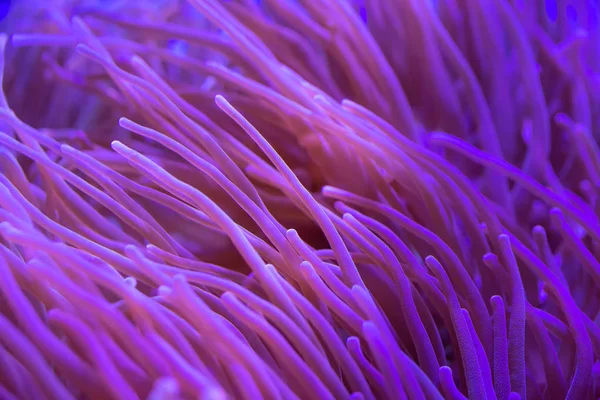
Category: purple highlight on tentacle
[500,364]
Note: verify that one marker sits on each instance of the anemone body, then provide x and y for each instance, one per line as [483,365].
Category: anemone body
[378,199]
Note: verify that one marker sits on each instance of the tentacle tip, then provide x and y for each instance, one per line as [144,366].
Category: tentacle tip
[291,233]
[538,230]
[117,145]
[221,101]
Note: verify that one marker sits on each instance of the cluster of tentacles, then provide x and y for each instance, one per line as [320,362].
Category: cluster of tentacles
[340,199]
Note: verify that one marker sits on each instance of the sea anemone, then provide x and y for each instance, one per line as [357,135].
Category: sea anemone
[311,199]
